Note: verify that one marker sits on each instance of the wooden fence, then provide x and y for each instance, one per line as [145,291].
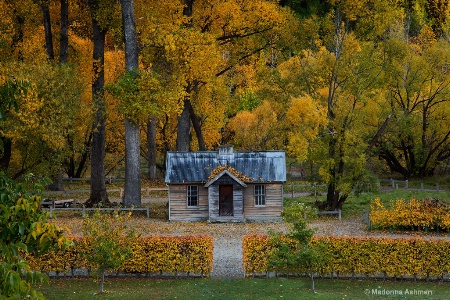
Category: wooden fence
[314,189]
[145,191]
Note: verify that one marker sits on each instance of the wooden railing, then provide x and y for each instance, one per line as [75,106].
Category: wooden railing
[145,191]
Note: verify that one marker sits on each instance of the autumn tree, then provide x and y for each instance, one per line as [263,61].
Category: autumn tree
[38,140]
[102,13]
[201,44]
[416,74]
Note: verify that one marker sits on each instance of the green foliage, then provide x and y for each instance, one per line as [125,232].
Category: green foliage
[293,250]
[11,190]
[136,92]
[24,228]
[248,101]
[10,91]
[110,240]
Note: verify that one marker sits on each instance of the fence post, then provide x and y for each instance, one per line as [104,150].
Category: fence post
[51,212]
[120,192]
[421,186]
[292,191]
[406,184]
[393,183]
[315,189]
[437,187]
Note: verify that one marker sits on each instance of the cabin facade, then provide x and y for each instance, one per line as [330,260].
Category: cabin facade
[225,186]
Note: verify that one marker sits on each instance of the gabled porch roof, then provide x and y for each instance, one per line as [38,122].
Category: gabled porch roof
[225,172]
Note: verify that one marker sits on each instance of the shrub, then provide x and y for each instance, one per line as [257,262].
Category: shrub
[157,255]
[347,256]
[410,214]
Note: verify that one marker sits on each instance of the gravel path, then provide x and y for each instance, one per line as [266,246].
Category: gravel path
[227,258]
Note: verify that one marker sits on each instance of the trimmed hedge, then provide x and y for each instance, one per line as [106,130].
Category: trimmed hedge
[413,214]
[191,255]
[350,256]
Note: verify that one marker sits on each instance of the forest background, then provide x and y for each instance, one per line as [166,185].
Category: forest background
[352,90]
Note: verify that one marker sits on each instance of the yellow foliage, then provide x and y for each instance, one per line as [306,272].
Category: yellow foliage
[257,129]
[347,256]
[234,172]
[412,213]
[158,254]
[305,116]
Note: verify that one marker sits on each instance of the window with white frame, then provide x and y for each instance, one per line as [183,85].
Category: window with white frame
[260,195]
[192,195]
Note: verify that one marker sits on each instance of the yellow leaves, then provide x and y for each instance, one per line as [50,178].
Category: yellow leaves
[365,256]
[158,254]
[422,214]
[230,169]
[305,116]
[256,130]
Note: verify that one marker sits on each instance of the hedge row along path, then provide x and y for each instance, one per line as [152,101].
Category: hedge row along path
[228,236]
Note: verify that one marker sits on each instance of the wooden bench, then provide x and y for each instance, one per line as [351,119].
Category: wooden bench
[331,212]
[84,209]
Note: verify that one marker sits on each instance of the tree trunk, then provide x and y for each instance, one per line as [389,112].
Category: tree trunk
[183,128]
[132,194]
[48,33]
[183,125]
[5,154]
[196,123]
[98,187]
[72,170]
[151,148]
[64,33]
[17,39]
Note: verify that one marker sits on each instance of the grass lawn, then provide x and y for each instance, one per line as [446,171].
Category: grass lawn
[249,288]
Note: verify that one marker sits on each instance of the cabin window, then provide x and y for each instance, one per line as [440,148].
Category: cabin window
[192,195]
[260,195]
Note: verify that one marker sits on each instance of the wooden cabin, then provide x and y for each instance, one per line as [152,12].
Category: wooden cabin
[225,186]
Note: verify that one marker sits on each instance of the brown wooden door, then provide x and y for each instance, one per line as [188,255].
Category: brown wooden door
[225,200]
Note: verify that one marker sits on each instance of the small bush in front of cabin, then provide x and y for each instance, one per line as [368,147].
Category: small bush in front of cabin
[110,241]
[293,250]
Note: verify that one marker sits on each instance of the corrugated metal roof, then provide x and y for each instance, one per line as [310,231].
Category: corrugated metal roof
[189,167]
